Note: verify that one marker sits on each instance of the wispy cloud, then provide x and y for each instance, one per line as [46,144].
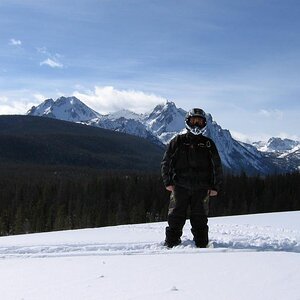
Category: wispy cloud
[9,106]
[286,135]
[51,63]
[39,97]
[3,99]
[109,99]
[52,60]
[42,50]
[272,113]
[14,42]
[241,137]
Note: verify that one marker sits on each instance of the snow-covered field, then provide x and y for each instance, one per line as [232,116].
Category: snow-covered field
[253,257]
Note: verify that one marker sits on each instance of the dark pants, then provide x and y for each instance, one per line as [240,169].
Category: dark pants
[180,200]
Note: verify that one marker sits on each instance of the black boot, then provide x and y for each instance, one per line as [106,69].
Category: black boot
[172,237]
[200,237]
[171,244]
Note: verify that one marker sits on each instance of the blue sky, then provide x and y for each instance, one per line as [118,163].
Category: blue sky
[238,60]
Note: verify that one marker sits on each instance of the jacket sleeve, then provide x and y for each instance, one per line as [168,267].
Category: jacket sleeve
[166,164]
[217,167]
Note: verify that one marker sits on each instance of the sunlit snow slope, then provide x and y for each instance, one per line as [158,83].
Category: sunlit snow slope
[253,257]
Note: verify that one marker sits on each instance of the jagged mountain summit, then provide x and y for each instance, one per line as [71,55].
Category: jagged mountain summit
[276,145]
[237,156]
[158,126]
[165,121]
[285,153]
[64,108]
[292,158]
[120,123]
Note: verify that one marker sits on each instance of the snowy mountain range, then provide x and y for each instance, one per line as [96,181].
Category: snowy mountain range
[277,145]
[285,153]
[67,109]
[166,121]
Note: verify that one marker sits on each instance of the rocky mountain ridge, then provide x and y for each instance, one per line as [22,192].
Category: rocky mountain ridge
[166,121]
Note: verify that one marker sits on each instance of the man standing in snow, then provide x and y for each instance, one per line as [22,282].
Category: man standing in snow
[192,171]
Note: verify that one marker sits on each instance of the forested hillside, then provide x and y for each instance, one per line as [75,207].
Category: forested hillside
[27,140]
[58,175]
[53,199]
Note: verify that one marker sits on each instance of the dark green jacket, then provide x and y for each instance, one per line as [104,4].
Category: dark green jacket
[192,162]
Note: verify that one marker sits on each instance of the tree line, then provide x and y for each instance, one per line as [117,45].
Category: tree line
[39,200]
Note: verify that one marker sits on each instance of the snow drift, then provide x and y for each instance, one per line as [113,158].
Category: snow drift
[254,257]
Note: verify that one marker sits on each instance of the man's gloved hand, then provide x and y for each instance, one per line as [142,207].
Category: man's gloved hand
[212,193]
[170,188]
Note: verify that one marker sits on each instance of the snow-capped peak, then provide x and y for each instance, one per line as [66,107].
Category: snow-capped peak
[64,108]
[41,109]
[167,108]
[276,144]
[166,120]
[124,113]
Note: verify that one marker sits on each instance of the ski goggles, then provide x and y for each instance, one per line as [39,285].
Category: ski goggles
[197,121]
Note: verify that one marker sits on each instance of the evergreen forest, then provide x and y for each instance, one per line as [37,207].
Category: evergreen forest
[36,199]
